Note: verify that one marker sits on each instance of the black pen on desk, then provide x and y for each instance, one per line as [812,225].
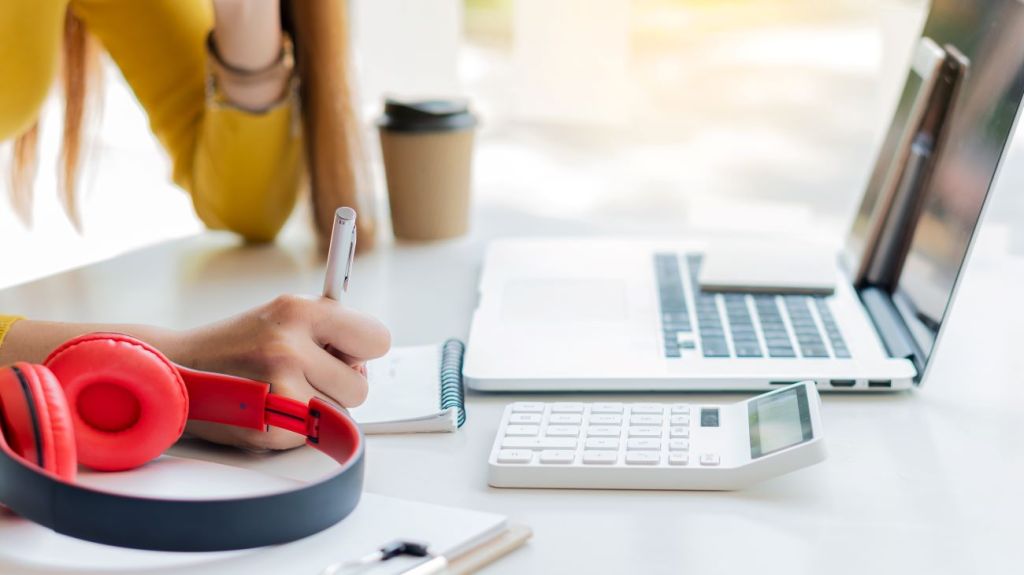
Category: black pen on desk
[340,254]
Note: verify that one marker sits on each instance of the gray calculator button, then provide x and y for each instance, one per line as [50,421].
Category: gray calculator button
[527,407]
[645,431]
[562,431]
[681,458]
[521,430]
[605,419]
[678,444]
[557,456]
[539,443]
[524,418]
[606,408]
[679,431]
[604,431]
[643,458]
[515,456]
[647,408]
[645,419]
[566,407]
[600,457]
[709,459]
[643,444]
[601,443]
[565,418]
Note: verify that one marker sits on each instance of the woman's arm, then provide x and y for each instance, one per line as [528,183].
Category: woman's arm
[247,35]
[243,168]
[281,342]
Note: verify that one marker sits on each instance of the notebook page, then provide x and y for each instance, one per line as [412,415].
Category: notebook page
[404,384]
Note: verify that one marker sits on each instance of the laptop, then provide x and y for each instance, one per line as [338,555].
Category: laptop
[629,315]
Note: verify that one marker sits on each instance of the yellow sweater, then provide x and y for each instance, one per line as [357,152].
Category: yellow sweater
[242,169]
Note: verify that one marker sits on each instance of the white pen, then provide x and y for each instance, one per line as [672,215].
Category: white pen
[340,254]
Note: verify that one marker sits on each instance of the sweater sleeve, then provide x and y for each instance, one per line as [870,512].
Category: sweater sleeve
[6,321]
[242,169]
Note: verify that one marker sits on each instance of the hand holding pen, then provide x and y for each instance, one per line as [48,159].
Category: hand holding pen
[340,256]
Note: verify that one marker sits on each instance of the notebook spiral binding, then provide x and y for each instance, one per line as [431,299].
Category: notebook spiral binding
[452,393]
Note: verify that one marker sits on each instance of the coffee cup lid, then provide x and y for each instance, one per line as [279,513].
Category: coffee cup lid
[426,115]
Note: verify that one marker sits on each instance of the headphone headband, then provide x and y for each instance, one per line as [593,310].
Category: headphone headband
[202,525]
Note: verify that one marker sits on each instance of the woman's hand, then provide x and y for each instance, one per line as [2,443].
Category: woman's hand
[283,343]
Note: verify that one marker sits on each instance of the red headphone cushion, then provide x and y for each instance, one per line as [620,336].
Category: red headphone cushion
[60,431]
[127,401]
[48,415]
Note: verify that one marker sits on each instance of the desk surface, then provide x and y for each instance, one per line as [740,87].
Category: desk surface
[923,481]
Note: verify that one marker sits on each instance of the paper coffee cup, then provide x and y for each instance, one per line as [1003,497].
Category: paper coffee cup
[428,154]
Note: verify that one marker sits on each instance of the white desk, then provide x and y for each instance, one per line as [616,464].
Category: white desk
[923,482]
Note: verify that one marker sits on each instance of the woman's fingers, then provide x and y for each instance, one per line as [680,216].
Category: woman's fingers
[357,336]
[325,373]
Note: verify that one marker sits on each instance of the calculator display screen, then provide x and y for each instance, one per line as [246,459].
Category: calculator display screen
[779,421]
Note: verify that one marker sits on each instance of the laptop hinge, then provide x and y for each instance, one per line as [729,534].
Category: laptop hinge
[896,338]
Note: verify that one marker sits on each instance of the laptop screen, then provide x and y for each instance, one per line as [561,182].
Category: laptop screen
[990,33]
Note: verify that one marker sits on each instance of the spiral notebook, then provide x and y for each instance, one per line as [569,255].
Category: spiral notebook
[415,389]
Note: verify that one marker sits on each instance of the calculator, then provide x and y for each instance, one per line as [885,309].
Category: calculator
[677,445]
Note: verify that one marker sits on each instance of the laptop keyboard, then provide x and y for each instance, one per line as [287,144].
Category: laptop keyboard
[740,325]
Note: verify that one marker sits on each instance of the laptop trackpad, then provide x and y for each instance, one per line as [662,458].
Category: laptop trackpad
[564,300]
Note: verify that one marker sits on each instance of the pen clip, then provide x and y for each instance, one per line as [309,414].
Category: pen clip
[351,258]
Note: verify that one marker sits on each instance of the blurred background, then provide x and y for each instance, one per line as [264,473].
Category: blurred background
[677,116]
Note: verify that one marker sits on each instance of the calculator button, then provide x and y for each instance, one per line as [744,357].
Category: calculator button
[678,444]
[643,458]
[606,408]
[557,456]
[678,409]
[604,431]
[565,418]
[679,420]
[565,407]
[678,458]
[647,408]
[645,431]
[527,407]
[600,457]
[523,418]
[709,459]
[645,420]
[562,431]
[605,419]
[601,443]
[522,430]
[679,431]
[515,456]
[538,443]
[644,444]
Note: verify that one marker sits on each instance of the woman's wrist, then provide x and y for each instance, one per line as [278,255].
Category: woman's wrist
[249,56]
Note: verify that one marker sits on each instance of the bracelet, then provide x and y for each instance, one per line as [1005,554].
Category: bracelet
[277,72]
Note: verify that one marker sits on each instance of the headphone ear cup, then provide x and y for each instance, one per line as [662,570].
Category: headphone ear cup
[127,402]
[37,424]
[60,434]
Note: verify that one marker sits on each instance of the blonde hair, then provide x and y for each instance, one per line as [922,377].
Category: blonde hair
[80,70]
[335,152]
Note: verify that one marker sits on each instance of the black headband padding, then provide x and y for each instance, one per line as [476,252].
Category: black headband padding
[31,402]
[180,525]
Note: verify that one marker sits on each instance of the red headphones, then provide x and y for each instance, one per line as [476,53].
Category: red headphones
[112,403]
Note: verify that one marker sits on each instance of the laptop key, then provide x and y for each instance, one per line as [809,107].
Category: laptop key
[814,351]
[748,351]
